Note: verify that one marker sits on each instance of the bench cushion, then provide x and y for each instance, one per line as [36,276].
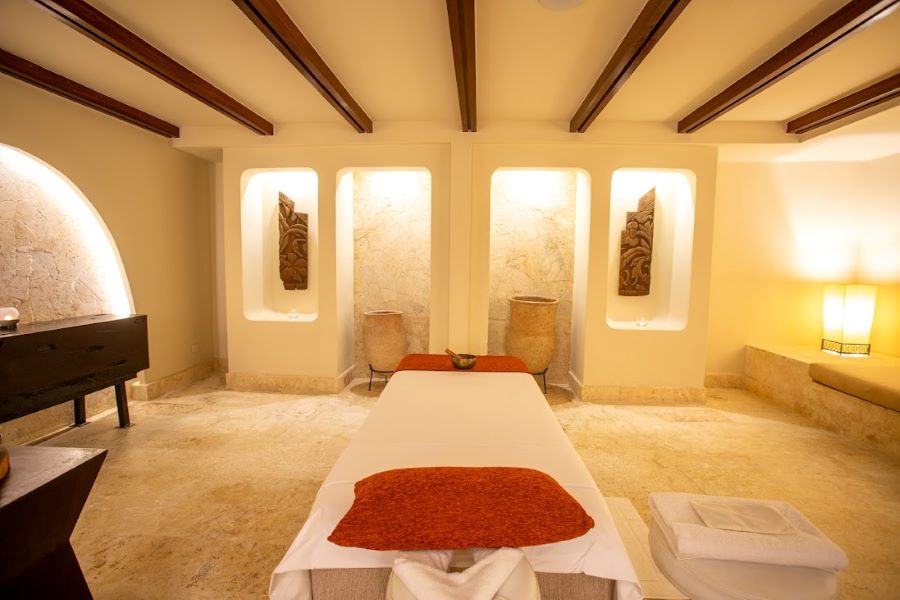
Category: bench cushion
[878,382]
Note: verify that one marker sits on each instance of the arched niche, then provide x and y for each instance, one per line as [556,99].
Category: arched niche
[384,257]
[539,235]
[57,257]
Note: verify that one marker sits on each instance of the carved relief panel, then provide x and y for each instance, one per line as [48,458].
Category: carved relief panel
[636,250]
[293,245]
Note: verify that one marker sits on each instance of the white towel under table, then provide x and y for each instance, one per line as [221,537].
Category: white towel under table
[424,573]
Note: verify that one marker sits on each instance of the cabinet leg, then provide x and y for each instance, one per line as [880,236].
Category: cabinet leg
[80,412]
[122,405]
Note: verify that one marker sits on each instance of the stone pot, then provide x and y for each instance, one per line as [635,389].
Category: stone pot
[384,337]
[531,330]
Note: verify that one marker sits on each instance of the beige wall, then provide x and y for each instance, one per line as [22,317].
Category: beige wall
[782,230]
[154,200]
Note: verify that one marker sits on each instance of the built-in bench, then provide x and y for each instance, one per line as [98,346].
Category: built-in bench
[856,396]
[876,381]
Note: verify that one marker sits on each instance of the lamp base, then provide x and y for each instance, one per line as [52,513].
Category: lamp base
[842,348]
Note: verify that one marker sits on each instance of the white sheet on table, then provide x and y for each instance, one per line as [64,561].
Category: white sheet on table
[431,418]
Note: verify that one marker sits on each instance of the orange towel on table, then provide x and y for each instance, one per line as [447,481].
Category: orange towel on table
[441,362]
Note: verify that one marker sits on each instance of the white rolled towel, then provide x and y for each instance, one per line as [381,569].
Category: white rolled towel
[424,574]
[759,531]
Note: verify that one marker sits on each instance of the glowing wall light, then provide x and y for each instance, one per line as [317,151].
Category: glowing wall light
[847,318]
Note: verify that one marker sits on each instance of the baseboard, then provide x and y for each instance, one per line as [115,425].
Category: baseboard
[576,385]
[642,395]
[290,384]
[164,385]
[347,375]
[725,380]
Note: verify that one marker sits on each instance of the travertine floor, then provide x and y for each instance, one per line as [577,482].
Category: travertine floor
[201,497]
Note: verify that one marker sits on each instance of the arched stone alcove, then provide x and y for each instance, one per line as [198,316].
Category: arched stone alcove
[57,260]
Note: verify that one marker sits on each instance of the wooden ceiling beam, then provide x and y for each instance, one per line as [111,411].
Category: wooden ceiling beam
[461,14]
[852,17]
[280,29]
[866,98]
[649,27]
[37,75]
[89,21]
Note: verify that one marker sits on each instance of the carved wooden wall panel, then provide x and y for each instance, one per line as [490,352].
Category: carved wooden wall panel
[293,245]
[637,248]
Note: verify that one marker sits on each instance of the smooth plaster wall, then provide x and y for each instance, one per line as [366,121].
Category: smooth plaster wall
[783,230]
[391,253]
[580,276]
[154,200]
[532,252]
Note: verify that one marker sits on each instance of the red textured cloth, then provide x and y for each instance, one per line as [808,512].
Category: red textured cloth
[441,362]
[446,508]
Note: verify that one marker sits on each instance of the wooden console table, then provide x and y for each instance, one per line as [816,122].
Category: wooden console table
[51,362]
[40,501]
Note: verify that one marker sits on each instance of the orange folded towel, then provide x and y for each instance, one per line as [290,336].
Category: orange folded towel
[441,362]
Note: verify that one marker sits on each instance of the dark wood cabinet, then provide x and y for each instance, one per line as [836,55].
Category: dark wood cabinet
[48,363]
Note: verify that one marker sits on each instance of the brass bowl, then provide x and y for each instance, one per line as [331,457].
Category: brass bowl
[465,361]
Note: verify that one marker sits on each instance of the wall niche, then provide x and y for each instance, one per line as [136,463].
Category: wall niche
[389,214]
[265,293]
[665,305]
[538,225]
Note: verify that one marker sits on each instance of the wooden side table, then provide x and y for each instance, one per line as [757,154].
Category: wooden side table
[40,501]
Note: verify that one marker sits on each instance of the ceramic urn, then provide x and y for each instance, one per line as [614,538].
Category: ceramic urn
[384,338]
[531,330]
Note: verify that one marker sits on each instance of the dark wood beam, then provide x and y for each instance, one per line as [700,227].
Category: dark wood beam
[850,18]
[39,76]
[276,24]
[461,14]
[871,96]
[653,22]
[86,19]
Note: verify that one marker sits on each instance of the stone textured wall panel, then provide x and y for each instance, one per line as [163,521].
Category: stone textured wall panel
[46,270]
[392,253]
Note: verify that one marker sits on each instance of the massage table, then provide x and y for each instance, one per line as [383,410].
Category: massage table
[456,418]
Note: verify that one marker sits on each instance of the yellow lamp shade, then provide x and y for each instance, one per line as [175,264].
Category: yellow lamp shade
[847,318]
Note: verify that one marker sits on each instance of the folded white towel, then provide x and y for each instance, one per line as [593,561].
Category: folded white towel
[802,545]
[753,517]
[423,573]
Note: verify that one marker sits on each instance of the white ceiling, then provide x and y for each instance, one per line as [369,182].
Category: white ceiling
[534,63]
